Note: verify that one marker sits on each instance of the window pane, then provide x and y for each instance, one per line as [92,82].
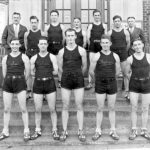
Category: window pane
[105,16]
[60,16]
[45,4]
[91,15]
[84,16]
[92,4]
[84,4]
[59,4]
[45,17]
[67,16]
[67,4]
[105,4]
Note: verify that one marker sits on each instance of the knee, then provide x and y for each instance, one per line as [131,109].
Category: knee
[52,110]
[38,110]
[7,110]
[144,109]
[100,109]
[134,108]
[79,107]
[111,108]
[65,106]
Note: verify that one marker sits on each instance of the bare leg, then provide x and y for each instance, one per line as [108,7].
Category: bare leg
[7,99]
[51,99]
[79,94]
[38,101]
[134,104]
[66,100]
[111,106]
[22,103]
[99,116]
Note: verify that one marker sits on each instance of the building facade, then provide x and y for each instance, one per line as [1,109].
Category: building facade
[69,9]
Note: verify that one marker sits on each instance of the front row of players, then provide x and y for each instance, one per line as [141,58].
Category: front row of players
[104,69]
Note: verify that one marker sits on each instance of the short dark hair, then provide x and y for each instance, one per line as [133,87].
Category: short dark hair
[95,11]
[70,30]
[56,11]
[131,17]
[105,36]
[43,38]
[16,13]
[77,18]
[14,39]
[137,39]
[117,16]
[34,17]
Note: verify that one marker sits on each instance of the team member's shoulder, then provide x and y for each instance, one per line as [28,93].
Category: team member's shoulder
[4,59]
[25,57]
[33,58]
[148,57]
[82,51]
[116,57]
[130,59]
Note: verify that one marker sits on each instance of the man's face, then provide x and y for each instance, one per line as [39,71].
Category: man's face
[77,23]
[16,19]
[97,16]
[70,37]
[54,17]
[131,22]
[105,44]
[138,46]
[43,45]
[117,23]
[14,45]
[34,24]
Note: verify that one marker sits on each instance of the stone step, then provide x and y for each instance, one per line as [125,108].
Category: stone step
[122,127]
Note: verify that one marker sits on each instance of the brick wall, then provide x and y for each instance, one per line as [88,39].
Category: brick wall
[146,13]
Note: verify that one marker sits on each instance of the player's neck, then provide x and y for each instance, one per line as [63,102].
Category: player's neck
[106,52]
[15,53]
[71,46]
[55,23]
[97,22]
[34,30]
[43,53]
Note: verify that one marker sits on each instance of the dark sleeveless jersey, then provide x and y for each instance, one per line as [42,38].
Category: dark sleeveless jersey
[140,68]
[43,66]
[118,40]
[15,65]
[105,67]
[33,39]
[72,60]
[79,39]
[55,34]
[96,32]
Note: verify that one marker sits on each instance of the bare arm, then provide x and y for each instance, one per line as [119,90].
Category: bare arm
[60,61]
[63,32]
[82,52]
[46,30]
[118,68]
[25,39]
[89,33]
[84,38]
[93,65]
[128,67]
[127,38]
[4,66]
[27,66]
[109,33]
[54,62]
[32,62]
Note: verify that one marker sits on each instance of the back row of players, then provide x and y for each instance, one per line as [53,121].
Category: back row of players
[72,63]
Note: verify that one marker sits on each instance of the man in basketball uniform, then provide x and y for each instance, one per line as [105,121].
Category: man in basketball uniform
[94,33]
[43,67]
[15,68]
[72,66]
[104,68]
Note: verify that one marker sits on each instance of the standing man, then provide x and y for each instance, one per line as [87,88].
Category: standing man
[31,39]
[55,34]
[43,67]
[104,68]
[72,66]
[94,33]
[81,35]
[138,71]
[120,39]
[14,30]
[135,33]
[15,68]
